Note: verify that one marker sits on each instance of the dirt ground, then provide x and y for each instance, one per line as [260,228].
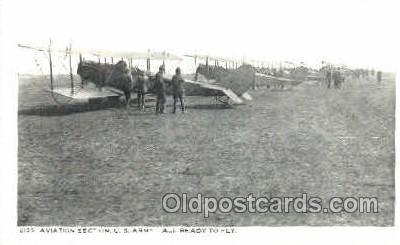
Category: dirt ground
[113,166]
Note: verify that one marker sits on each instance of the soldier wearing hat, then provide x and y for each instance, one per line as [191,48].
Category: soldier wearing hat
[379,76]
[337,77]
[328,77]
[160,90]
[141,87]
[177,89]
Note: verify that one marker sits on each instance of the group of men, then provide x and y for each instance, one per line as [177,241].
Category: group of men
[335,76]
[160,90]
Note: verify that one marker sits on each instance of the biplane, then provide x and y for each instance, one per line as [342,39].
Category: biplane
[276,78]
[106,72]
[232,81]
[285,78]
[229,88]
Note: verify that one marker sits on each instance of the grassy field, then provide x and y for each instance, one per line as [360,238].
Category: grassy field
[112,166]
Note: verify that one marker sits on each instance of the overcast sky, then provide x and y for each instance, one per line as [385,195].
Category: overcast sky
[351,32]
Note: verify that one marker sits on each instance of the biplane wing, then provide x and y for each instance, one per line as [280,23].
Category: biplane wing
[194,88]
[311,76]
[214,58]
[133,55]
[247,96]
[88,93]
[281,79]
[278,80]
[215,89]
[157,55]
[272,80]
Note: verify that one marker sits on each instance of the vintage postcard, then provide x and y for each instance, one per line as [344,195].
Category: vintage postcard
[190,117]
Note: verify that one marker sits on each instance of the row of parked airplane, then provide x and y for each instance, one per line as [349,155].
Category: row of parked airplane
[226,85]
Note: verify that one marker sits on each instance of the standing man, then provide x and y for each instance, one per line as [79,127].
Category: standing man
[178,90]
[379,76]
[160,90]
[328,77]
[141,90]
[337,78]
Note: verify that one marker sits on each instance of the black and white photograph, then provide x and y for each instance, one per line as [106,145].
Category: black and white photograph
[210,114]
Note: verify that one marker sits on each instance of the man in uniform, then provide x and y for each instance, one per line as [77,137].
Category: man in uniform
[141,90]
[160,90]
[379,76]
[337,78]
[328,77]
[178,90]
